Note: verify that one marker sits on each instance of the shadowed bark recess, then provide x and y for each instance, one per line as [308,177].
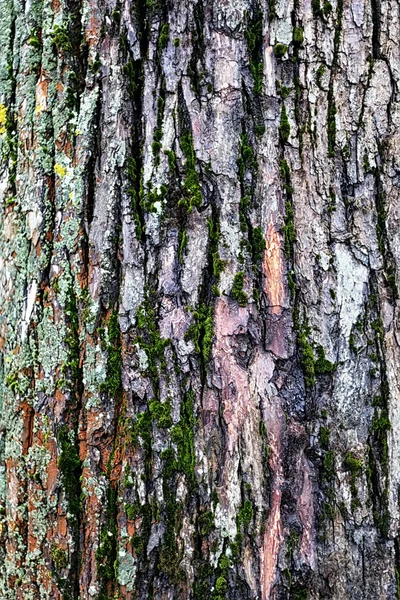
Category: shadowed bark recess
[199,267]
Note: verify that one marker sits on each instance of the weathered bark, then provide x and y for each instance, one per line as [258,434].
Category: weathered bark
[199,299]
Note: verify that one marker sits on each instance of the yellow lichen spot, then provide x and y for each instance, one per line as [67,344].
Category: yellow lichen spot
[71,195]
[60,170]
[3,118]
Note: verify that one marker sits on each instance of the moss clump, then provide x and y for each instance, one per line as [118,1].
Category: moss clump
[254,45]
[282,90]
[132,510]
[237,292]
[247,160]
[324,437]
[133,178]
[61,39]
[183,435]
[280,50]
[319,74]
[59,558]
[289,231]
[353,464]
[113,382]
[177,42]
[284,126]
[206,523]
[142,428]
[106,552]
[218,264]
[323,366]
[201,331]
[298,36]
[245,514]
[258,243]
[149,338]
[171,160]
[329,466]
[161,412]
[70,467]
[34,41]
[163,38]
[306,358]
[192,184]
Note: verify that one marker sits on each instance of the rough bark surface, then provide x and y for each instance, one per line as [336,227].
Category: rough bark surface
[199,267]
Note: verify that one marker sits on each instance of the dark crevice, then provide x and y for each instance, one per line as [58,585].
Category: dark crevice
[376,28]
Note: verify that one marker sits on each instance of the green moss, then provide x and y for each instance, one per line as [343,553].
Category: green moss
[34,41]
[116,15]
[192,188]
[218,264]
[245,515]
[259,129]
[237,292]
[324,437]
[247,159]
[163,38]
[243,207]
[221,584]
[319,74]
[161,412]
[280,50]
[183,435]
[282,90]
[156,147]
[70,467]
[289,231]
[113,382]
[106,553]
[149,336]
[322,366]
[329,466]
[61,39]
[59,558]
[201,331]
[171,160]
[284,126]
[132,174]
[133,510]
[142,430]
[254,40]
[306,358]
[298,36]
[353,464]
[177,42]
[258,243]
[206,523]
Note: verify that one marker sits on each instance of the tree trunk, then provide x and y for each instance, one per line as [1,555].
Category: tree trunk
[199,266]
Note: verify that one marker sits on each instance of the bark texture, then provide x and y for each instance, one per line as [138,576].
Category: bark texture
[199,267]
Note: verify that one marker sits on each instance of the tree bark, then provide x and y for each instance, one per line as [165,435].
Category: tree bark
[199,266]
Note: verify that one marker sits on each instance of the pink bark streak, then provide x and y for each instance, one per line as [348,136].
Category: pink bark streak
[273,270]
[273,530]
